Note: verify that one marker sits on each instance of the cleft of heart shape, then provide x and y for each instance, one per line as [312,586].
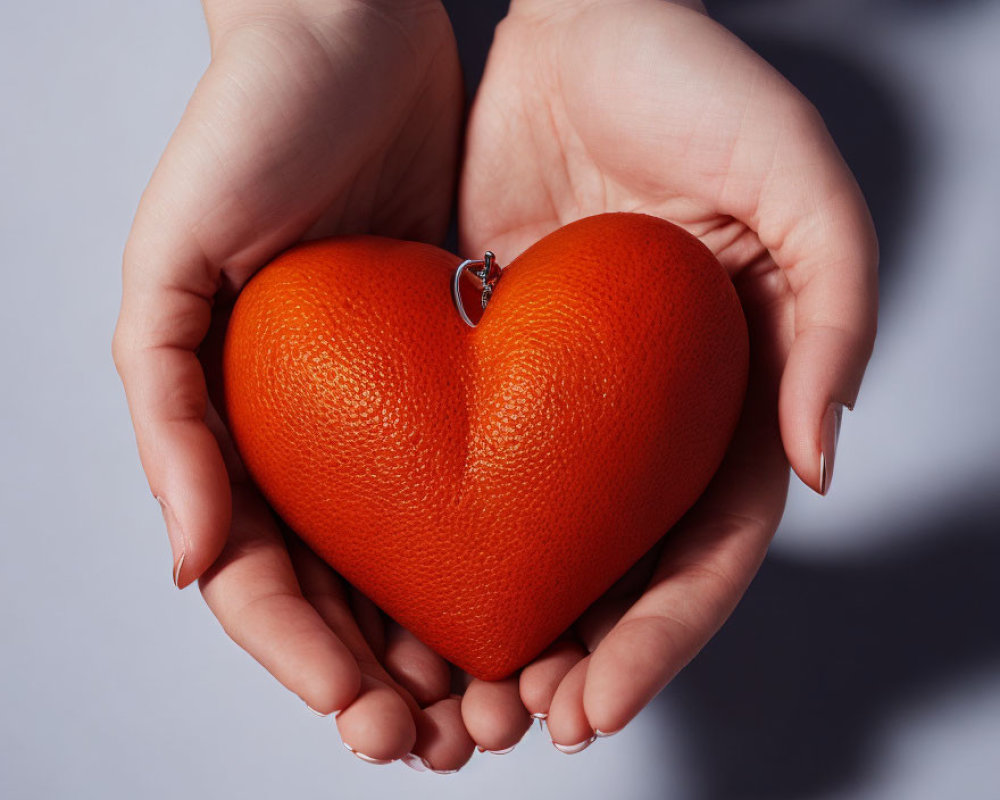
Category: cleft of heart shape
[484,485]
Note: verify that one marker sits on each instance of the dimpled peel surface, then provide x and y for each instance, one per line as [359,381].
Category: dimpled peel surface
[483,486]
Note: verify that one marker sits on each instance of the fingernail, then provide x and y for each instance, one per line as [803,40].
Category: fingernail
[829,434]
[570,749]
[368,759]
[317,713]
[177,570]
[176,539]
[604,734]
[415,762]
[444,771]
[496,752]
[540,715]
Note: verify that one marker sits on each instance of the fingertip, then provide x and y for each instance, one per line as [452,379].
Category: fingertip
[493,713]
[540,679]
[568,723]
[821,378]
[634,662]
[196,503]
[331,696]
[377,725]
[443,743]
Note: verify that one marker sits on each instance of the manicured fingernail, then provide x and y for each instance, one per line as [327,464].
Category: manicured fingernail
[444,771]
[177,570]
[368,759]
[415,762]
[604,734]
[570,749]
[496,752]
[829,434]
[176,539]
[540,715]
[317,713]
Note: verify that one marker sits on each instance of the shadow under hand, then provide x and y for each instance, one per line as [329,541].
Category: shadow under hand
[785,701]
[868,125]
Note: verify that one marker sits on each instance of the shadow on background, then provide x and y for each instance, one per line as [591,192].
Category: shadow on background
[869,126]
[786,700]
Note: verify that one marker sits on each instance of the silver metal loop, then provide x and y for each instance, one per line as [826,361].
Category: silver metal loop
[487,271]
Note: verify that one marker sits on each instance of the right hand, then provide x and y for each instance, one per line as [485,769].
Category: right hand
[314,118]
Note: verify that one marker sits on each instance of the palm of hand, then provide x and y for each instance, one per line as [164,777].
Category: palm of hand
[296,134]
[648,107]
[639,106]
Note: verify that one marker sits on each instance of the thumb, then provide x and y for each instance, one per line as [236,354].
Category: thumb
[813,219]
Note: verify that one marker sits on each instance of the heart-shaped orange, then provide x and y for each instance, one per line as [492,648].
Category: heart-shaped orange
[484,485]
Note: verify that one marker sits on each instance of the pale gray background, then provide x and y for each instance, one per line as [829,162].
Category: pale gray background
[864,663]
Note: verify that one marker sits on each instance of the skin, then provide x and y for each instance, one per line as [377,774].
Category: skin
[320,117]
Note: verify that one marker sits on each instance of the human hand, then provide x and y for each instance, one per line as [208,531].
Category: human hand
[313,118]
[641,105]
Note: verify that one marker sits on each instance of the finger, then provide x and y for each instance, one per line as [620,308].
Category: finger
[494,715]
[691,598]
[378,726]
[569,726]
[594,624]
[540,679]
[443,743]
[329,595]
[413,665]
[813,219]
[253,591]
[707,562]
[165,388]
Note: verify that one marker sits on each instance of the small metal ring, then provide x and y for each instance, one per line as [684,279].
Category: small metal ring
[489,273]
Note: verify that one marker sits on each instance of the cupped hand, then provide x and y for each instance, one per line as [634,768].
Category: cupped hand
[313,118]
[647,106]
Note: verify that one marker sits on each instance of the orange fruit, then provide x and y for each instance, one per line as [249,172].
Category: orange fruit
[484,485]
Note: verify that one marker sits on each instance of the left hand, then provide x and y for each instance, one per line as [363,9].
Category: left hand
[648,106]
